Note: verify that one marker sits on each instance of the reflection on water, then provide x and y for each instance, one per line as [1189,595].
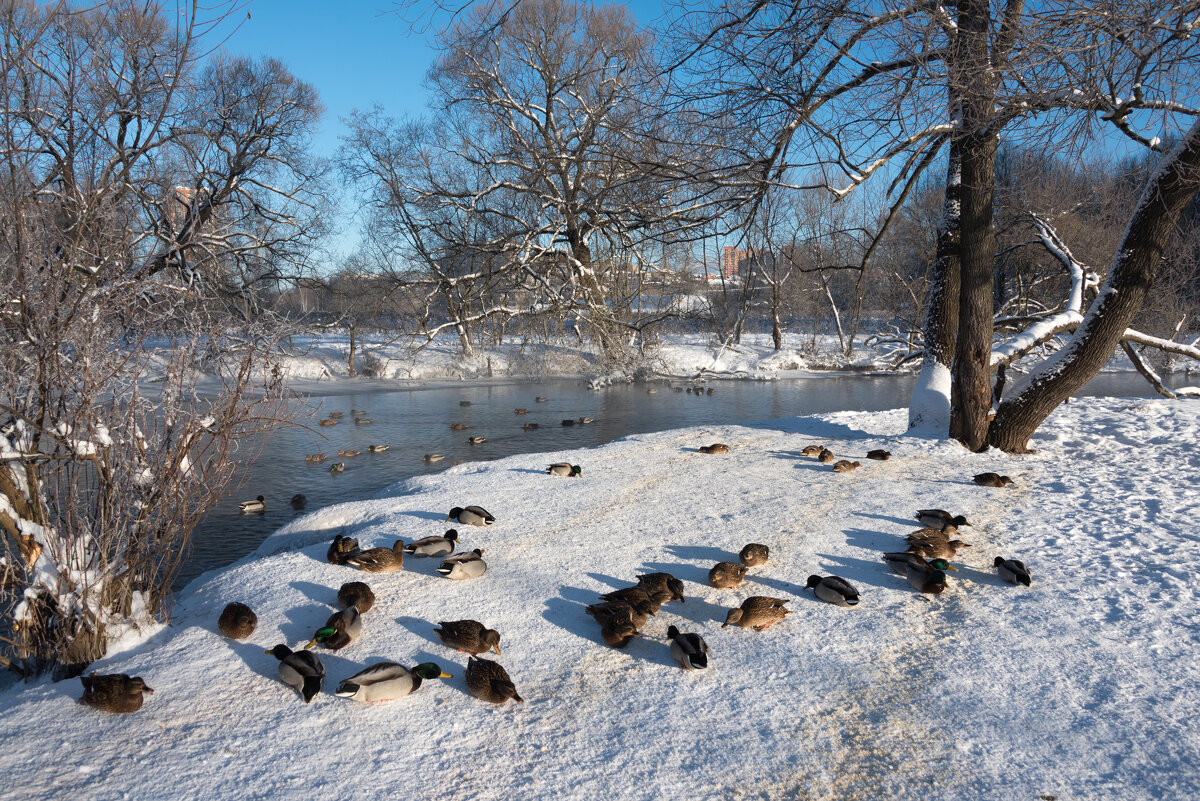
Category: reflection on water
[414,422]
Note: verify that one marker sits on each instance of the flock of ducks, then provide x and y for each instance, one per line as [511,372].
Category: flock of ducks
[621,613]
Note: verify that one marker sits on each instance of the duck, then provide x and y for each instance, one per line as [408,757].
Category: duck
[356,594]
[812,450]
[377,448]
[565,469]
[1012,570]
[530,426]
[458,426]
[299,501]
[940,519]
[757,612]
[251,507]
[471,516]
[651,391]
[928,577]
[992,480]
[654,599]
[464,403]
[716,448]
[568,422]
[726,575]
[468,636]
[618,631]
[586,421]
[754,554]
[834,590]
[490,682]
[341,549]
[237,621]
[433,546]
[336,415]
[520,411]
[328,422]
[299,669]
[315,457]
[118,693]
[709,391]
[845,466]
[677,389]
[341,629]
[434,457]
[540,399]
[362,421]
[476,440]
[358,412]
[689,650]
[337,467]
[879,455]
[825,456]
[379,560]
[657,582]
[936,548]
[464,566]
[387,681]
[636,612]
[348,453]
[930,533]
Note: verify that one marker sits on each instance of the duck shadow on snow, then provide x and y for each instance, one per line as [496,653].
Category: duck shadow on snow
[440,517]
[302,621]
[615,583]
[683,572]
[903,521]
[861,571]
[778,585]
[702,553]
[318,593]
[812,427]
[421,628]
[875,540]
[572,617]
[526,470]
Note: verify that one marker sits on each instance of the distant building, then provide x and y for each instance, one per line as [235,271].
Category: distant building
[732,259]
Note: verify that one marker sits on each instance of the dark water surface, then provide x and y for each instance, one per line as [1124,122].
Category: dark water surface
[416,421]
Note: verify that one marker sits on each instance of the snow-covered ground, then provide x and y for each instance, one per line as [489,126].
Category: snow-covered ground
[1084,686]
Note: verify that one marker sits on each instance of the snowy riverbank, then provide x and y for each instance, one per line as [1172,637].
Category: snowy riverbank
[1084,686]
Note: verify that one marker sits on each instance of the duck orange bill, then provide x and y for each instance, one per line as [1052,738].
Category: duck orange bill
[311,644]
[497,648]
[952,567]
[444,675]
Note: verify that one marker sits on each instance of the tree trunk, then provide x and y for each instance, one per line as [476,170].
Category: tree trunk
[929,408]
[1129,281]
[350,371]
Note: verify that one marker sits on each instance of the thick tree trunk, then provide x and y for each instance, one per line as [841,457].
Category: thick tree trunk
[350,371]
[1129,281]
[929,408]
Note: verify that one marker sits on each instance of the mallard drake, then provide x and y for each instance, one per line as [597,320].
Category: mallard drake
[468,636]
[471,516]
[299,501]
[617,632]
[992,480]
[117,692]
[658,582]
[879,455]
[387,681]
[336,415]
[1012,570]
[356,594]
[754,554]
[337,467]
[530,426]
[937,548]
[689,650]
[251,507]
[379,560]
[845,466]
[434,457]
[300,669]
[568,422]
[341,629]
[237,621]
[726,575]
[476,440]
[540,399]
[520,411]
[565,469]
[489,681]
[348,453]
[709,391]
[812,450]
[924,576]
[377,448]
[757,612]
[341,549]
[825,456]
[468,565]
[328,422]
[833,589]
[433,546]
[464,403]
[636,612]
[716,448]
[940,519]
[362,421]
[458,426]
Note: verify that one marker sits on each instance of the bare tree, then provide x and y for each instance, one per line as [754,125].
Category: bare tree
[143,201]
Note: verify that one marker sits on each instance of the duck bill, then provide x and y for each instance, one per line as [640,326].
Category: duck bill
[147,690]
[311,644]
[952,567]
[444,675]
[496,648]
